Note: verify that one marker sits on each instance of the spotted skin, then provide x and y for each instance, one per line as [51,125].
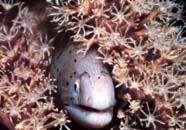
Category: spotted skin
[85,86]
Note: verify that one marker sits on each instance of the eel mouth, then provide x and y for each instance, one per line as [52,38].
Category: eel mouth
[84,108]
[93,110]
[90,117]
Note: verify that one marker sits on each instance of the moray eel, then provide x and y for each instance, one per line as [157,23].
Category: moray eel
[85,86]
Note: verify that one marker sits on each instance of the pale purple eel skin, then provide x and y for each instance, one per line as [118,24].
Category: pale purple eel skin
[85,86]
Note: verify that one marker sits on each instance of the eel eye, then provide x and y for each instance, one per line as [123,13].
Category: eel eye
[77,85]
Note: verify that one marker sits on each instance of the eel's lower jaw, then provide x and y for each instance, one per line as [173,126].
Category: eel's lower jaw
[90,117]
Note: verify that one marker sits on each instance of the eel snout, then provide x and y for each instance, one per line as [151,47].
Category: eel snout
[95,110]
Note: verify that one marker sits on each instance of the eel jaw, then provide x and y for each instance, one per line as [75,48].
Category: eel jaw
[90,117]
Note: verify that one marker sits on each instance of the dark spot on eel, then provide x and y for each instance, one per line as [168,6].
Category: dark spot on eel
[67,83]
[75,60]
[58,56]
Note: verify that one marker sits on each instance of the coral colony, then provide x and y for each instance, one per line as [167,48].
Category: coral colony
[138,39]
[25,53]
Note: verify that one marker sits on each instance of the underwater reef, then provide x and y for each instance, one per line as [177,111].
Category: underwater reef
[141,41]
